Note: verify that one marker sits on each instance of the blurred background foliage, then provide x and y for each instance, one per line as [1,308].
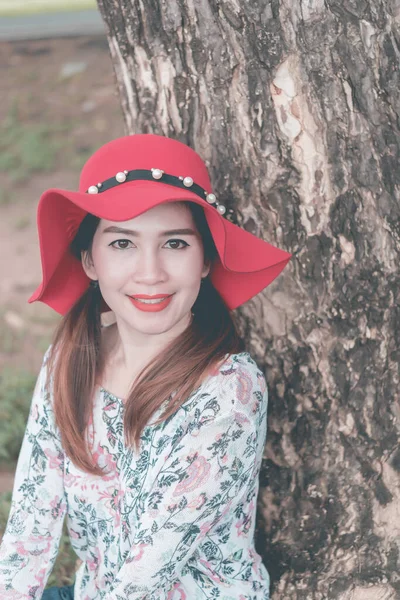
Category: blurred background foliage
[16,387]
[59,104]
[27,148]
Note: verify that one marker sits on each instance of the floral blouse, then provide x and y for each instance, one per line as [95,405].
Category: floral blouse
[172,522]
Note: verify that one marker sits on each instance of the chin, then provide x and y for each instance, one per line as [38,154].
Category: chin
[151,323]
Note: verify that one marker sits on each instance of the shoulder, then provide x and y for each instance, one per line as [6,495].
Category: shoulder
[42,388]
[234,389]
[242,361]
[46,362]
[236,366]
[238,382]
[46,356]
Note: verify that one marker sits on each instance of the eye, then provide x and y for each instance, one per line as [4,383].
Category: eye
[175,244]
[121,244]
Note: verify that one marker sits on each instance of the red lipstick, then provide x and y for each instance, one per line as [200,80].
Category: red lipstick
[146,297]
[150,307]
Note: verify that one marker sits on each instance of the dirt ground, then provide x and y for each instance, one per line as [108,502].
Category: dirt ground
[58,104]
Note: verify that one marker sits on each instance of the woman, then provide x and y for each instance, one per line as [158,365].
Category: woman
[147,433]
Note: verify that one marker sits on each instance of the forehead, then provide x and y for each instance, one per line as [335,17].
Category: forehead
[163,216]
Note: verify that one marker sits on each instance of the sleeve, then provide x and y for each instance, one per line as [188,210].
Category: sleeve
[204,477]
[30,543]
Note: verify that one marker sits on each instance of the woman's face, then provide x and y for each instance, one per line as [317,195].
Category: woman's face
[159,253]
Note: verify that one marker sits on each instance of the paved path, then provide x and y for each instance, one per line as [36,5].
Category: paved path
[51,25]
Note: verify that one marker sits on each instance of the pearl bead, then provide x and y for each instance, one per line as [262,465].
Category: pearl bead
[93,189]
[211,198]
[180,177]
[99,185]
[157,173]
[126,172]
[188,182]
[221,209]
[120,177]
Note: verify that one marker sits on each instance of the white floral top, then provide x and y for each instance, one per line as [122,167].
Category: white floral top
[173,522]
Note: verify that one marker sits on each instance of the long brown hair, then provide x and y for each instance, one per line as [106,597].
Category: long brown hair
[76,360]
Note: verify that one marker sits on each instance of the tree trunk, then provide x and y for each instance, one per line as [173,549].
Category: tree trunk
[295,107]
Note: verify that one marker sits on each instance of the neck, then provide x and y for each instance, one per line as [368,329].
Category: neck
[133,350]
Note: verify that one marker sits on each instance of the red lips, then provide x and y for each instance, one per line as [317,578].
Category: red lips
[150,307]
[146,297]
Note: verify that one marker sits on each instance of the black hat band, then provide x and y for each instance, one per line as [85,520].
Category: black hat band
[182,183]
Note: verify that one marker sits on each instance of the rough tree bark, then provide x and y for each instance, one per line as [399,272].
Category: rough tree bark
[295,106]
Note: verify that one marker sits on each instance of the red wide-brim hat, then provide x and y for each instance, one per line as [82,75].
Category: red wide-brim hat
[125,178]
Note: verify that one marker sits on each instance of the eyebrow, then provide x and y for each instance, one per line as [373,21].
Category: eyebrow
[133,233]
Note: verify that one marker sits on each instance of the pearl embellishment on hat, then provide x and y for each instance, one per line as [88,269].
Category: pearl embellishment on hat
[150,174]
[120,177]
[157,173]
[211,199]
[188,182]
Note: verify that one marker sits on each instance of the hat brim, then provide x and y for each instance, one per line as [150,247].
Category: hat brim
[245,264]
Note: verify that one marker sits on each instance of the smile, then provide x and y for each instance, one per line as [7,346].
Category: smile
[154,304]
[150,301]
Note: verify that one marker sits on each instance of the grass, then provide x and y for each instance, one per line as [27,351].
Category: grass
[5,502]
[5,197]
[24,149]
[22,223]
[16,388]
[77,158]
[10,8]
[10,339]
[27,148]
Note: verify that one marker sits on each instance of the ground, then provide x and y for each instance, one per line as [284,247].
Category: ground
[59,103]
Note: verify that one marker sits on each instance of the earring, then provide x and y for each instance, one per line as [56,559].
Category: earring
[94,284]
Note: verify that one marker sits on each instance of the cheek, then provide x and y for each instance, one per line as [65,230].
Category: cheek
[189,271]
[109,269]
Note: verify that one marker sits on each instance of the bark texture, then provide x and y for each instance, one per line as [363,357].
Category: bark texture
[295,107]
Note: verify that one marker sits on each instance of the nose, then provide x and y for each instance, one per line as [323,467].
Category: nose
[149,268]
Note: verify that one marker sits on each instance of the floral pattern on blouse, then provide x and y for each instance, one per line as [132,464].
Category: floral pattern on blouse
[174,521]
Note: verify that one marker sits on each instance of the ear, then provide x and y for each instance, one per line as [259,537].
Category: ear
[88,266]
[206,269]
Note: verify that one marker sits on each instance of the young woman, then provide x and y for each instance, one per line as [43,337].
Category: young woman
[147,433]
